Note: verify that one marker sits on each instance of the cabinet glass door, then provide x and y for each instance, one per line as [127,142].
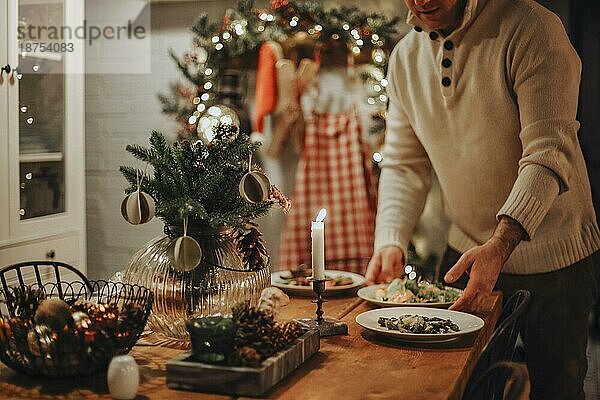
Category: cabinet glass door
[41,103]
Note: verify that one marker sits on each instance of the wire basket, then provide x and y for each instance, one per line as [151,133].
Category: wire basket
[120,314]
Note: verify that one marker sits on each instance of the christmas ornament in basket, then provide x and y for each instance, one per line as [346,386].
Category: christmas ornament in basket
[66,329]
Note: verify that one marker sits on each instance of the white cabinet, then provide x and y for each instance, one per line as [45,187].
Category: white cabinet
[42,163]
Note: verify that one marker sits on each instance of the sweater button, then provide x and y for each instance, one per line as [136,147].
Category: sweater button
[433,35]
[446,63]
[448,45]
[418,29]
[446,81]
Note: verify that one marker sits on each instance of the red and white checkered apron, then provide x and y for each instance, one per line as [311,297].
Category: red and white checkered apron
[334,172]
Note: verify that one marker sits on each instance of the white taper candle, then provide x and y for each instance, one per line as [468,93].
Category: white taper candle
[317,233]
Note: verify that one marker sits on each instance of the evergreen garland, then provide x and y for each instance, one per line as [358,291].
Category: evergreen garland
[198,181]
[238,36]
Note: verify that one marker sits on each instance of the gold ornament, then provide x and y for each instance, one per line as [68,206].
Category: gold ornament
[215,115]
[55,313]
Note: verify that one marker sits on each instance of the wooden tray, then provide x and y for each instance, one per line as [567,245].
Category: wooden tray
[184,373]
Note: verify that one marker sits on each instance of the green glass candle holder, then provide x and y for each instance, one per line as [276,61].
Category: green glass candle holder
[212,338]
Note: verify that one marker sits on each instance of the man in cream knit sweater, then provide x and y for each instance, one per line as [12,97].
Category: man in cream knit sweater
[484,93]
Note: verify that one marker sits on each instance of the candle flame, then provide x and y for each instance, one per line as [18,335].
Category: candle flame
[321,215]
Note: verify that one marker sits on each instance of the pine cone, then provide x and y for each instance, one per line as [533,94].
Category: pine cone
[254,329]
[247,356]
[254,252]
[26,301]
[285,334]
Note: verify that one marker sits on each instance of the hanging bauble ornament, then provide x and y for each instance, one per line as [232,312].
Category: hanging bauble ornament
[138,208]
[254,186]
[184,252]
[215,115]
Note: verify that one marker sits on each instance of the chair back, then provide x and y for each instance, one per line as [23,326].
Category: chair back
[508,381]
[39,274]
[501,345]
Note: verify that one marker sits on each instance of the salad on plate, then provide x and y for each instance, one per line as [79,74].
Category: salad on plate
[403,290]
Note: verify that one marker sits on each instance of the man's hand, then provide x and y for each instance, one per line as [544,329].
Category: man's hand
[484,263]
[385,265]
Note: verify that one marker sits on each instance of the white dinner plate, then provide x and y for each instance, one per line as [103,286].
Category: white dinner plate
[368,294]
[467,323]
[357,281]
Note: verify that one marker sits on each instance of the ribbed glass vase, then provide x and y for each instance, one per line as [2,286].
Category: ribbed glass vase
[212,288]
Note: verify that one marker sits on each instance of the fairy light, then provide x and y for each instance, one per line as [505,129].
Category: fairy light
[30,120]
[384,82]
[377,88]
[359,42]
[263,16]
[208,71]
[375,37]
[239,29]
[226,119]
[378,58]
[226,35]
[260,28]
[318,28]
[293,23]
[196,113]
[24,109]
[335,36]
[377,157]
[208,85]
[215,39]
[219,46]
[346,27]
[382,98]
[371,100]
[204,96]
[214,111]
[270,17]
[201,107]
[192,119]
[355,50]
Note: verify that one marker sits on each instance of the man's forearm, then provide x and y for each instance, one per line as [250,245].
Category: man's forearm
[507,235]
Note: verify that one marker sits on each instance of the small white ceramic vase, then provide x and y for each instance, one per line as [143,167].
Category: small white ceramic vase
[123,377]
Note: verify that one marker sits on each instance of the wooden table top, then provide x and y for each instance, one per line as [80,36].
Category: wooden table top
[359,365]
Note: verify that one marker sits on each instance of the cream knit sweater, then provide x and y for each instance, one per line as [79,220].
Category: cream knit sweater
[491,108]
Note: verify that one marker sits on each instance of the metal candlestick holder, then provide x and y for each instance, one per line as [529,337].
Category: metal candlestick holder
[326,326]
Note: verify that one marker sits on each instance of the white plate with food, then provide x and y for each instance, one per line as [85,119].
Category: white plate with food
[419,324]
[297,284]
[409,293]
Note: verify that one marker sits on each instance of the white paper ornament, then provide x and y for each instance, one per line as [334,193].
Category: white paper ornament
[123,377]
[138,208]
[254,186]
[185,253]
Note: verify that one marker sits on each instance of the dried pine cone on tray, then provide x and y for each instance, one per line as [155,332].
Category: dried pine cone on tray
[257,330]
[247,356]
[254,329]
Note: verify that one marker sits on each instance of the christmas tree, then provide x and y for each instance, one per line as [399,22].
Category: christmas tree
[199,181]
